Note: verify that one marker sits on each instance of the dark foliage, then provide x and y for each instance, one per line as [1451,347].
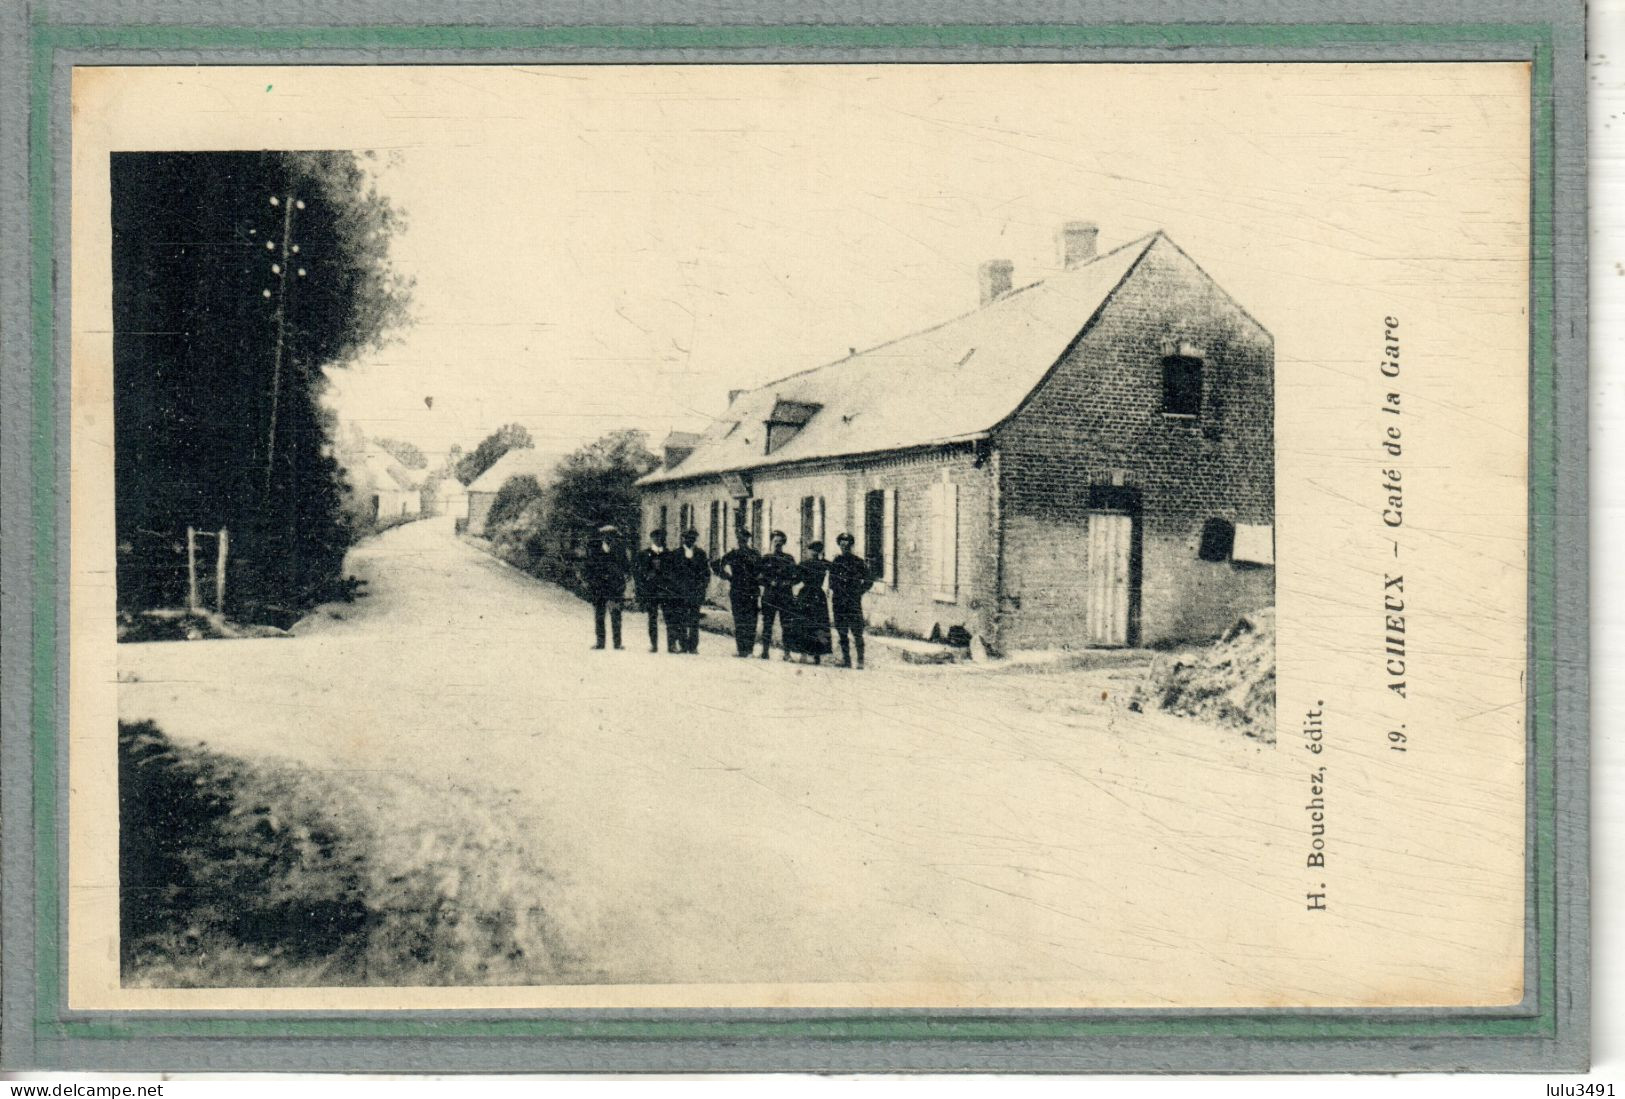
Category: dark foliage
[489,452]
[512,497]
[218,422]
[201,854]
[238,873]
[520,532]
[598,484]
[544,529]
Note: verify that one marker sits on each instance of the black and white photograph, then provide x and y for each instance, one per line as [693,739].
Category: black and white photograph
[826,536]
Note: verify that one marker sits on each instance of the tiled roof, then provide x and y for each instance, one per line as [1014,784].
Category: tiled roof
[516,463]
[946,384]
[382,471]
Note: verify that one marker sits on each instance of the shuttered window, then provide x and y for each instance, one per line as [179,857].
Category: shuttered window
[808,515]
[945,541]
[713,532]
[889,539]
[873,530]
[879,533]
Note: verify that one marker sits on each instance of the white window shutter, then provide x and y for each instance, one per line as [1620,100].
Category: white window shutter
[938,524]
[945,541]
[889,537]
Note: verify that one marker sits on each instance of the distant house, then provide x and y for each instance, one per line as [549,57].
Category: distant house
[519,462]
[388,490]
[445,496]
[1086,460]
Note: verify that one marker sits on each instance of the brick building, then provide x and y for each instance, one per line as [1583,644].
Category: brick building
[1086,460]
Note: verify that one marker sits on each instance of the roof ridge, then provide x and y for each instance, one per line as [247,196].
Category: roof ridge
[1047,318]
[1089,323]
[1144,242]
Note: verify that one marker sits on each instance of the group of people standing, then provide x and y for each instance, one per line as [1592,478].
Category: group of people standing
[763,589]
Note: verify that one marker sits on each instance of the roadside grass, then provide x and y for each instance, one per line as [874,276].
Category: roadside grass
[236,873]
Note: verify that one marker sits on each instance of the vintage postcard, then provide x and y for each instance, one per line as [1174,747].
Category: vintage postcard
[948,536]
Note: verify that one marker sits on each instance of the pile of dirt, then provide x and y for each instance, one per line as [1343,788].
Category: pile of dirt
[238,873]
[1230,682]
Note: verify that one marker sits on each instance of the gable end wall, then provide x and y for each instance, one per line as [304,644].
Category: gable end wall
[1098,418]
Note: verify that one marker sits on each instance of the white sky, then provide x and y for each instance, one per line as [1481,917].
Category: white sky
[598,248]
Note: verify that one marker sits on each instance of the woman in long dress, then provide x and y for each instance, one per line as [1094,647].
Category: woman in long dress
[811,634]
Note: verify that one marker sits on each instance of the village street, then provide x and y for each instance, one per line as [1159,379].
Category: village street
[705,818]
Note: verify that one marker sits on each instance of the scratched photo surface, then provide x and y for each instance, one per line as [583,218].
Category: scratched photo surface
[766,535]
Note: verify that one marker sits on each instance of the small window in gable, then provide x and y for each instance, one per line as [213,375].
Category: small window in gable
[1218,540]
[1182,386]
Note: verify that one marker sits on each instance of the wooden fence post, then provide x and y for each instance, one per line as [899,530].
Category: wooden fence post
[220,572]
[191,570]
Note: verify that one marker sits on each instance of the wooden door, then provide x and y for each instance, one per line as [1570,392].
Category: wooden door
[1109,586]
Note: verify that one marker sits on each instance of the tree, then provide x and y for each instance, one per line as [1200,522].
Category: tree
[490,451]
[238,279]
[511,498]
[597,484]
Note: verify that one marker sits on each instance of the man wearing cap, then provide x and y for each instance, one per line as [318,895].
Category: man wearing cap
[691,575]
[848,580]
[777,573]
[605,572]
[741,567]
[652,580]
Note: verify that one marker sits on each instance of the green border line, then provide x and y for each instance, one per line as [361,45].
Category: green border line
[47,972]
[49,1024]
[1543,529]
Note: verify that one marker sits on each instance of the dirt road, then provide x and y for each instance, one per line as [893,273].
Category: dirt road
[712,819]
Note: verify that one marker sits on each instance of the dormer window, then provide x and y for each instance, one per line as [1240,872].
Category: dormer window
[786,421]
[678,445]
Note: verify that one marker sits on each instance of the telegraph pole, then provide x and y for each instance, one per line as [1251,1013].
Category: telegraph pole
[287,249]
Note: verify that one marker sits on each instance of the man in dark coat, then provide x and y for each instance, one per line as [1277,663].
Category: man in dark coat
[741,567]
[691,575]
[605,572]
[777,573]
[848,580]
[652,578]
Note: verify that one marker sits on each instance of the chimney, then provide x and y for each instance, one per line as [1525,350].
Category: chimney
[994,276]
[1078,242]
